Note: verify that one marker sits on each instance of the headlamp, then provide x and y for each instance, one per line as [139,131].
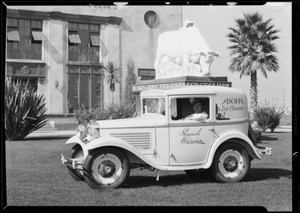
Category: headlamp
[90,132]
[94,130]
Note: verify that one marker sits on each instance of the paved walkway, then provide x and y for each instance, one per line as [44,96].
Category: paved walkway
[282,129]
[52,134]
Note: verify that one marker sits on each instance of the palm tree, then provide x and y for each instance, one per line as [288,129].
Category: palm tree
[112,75]
[253,49]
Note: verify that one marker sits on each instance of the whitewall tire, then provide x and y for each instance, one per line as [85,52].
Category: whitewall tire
[231,163]
[106,168]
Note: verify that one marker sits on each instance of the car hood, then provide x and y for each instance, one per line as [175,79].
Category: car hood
[145,121]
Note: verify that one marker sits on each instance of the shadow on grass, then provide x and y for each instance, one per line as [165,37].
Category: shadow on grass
[256,174]
[165,181]
[268,138]
[280,132]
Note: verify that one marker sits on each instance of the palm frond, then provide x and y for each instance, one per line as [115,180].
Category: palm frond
[263,70]
[272,32]
[112,75]
[237,32]
[274,37]
[252,19]
[240,22]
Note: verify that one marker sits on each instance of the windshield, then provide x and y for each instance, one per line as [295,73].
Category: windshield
[154,105]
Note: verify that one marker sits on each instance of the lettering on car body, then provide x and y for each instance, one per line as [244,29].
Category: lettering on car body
[229,106]
[190,137]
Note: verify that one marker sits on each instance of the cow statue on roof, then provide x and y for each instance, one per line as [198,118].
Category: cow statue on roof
[183,52]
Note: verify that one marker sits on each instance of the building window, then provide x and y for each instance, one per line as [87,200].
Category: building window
[84,87]
[24,39]
[84,42]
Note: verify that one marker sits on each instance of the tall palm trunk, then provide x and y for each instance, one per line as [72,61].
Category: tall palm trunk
[253,92]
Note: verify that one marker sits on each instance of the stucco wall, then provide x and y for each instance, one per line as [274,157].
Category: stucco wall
[141,43]
[111,40]
[55,52]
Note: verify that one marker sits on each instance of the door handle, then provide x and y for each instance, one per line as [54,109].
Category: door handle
[212,129]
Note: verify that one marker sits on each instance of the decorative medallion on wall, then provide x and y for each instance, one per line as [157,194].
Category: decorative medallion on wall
[151,19]
[25,70]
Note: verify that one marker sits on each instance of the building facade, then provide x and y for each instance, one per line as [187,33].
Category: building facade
[62,51]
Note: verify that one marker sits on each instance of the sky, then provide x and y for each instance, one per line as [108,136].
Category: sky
[213,23]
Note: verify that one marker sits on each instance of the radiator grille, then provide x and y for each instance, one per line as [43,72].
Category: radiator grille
[140,140]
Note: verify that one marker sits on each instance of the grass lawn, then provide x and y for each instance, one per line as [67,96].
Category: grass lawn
[36,177]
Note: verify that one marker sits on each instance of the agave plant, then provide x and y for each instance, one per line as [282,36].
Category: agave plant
[113,75]
[24,110]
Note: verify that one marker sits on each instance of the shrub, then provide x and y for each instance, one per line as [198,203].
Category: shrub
[267,117]
[274,119]
[83,115]
[130,80]
[113,111]
[24,110]
[254,132]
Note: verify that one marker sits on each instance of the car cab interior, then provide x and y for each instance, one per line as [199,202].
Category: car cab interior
[182,107]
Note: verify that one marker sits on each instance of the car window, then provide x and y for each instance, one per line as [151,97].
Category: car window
[154,105]
[184,108]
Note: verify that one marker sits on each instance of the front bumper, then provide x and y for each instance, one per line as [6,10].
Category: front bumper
[264,150]
[75,163]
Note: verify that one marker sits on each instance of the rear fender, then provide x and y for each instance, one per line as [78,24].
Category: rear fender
[236,137]
[118,143]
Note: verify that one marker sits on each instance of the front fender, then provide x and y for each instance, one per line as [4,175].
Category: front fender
[117,142]
[76,139]
[237,137]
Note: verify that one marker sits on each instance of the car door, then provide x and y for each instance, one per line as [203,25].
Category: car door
[189,140]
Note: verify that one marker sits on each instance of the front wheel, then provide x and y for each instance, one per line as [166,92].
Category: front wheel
[231,163]
[106,168]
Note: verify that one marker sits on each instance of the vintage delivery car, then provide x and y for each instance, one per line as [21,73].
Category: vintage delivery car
[168,135]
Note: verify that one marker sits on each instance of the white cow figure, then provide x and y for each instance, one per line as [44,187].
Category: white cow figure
[183,52]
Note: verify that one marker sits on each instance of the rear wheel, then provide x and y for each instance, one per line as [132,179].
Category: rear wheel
[76,152]
[106,168]
[231,163]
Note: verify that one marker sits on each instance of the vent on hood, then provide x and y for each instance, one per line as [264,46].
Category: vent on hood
[140,140]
